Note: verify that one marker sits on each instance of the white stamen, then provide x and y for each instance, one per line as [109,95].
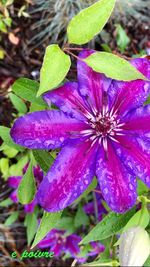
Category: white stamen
[89,116]
[94,110]
[121,124]
[105,144]
[117,130]
[87,131]
[93,137]
[120,134]
[100,140]
[111,112]
[94,141]
[113,139]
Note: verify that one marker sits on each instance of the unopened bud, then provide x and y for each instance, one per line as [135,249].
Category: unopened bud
[134,247]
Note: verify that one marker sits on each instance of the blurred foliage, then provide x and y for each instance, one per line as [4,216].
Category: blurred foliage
[122,38]
[5,19]
[137,9]
[56,14]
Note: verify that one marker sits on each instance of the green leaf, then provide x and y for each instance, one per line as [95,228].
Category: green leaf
[43,158]
[105,256]
[66,223]
[89,22]
[27,89]
[142,188]
[109,226]
[113,66]
[84,250]
[3,27]
[18,103]
[106,48]
[27,187]
[81,218]
[2,53]
[5,135]
[140,218]
[48,222]
[16,169]
[6,202]
[36,107]
[55,67]
[10,152]
[122,38]
[8,21]
[32,224]
[147,263]
[4,167]
[12,218]
[9,2]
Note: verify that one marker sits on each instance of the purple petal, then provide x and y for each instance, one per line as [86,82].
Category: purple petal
[57,249]
[117,184]
[45,243]
[29,208]
[67,99]
[13,196]
[97,248]
[44,129]
[138,120]
[50,239]
[14,181]
[89,208]
[91,84]
[135,153]
[130,95]
[72,244]
[70,175]
[25,167]
[38,174]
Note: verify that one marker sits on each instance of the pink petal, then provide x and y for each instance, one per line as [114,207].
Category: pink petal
[135,153]
[44,129]
[14,181]
[68,178]
[138,120]
[67,99]
[29,208]
[91,84]
[130,95]
[117,184]
[13,196]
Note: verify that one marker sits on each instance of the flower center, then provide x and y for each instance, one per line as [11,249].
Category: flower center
[103,125]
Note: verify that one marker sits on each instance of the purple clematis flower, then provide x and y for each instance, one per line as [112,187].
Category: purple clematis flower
[102,128]
[96,248]
[59,243]
[14,182]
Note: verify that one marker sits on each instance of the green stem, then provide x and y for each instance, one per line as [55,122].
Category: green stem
[95,206]
[142,211]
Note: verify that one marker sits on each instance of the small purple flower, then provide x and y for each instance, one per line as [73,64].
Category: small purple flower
[59,243]
[14,182]
[102,128]
[90,209]
[97,248]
